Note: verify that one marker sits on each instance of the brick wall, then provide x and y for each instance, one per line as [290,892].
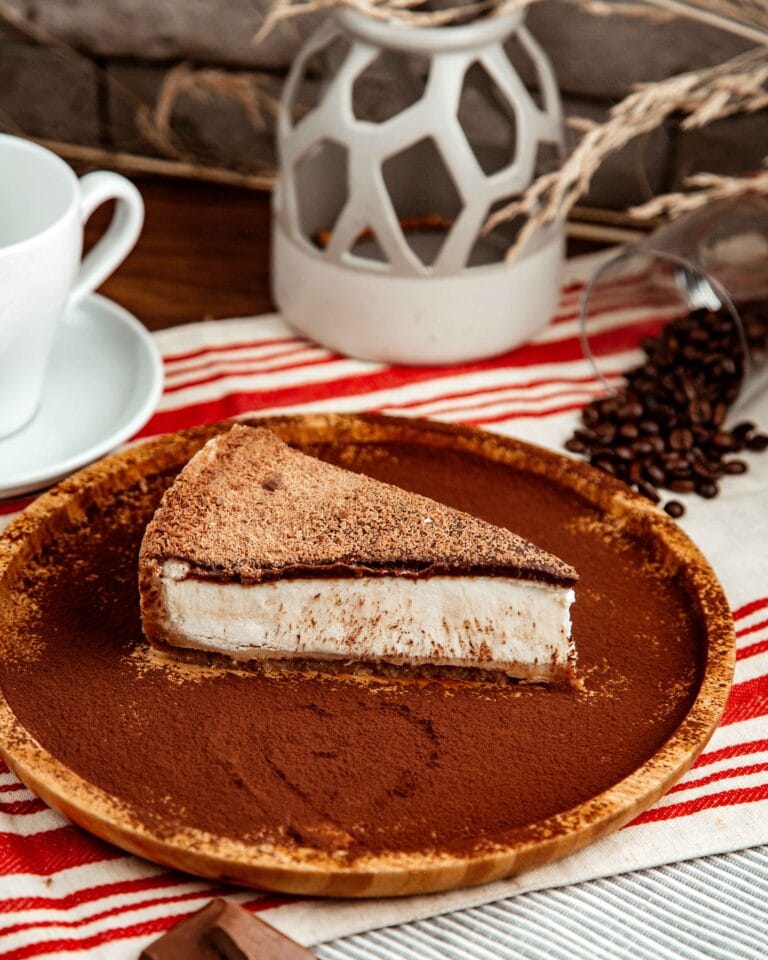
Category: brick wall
[128,47]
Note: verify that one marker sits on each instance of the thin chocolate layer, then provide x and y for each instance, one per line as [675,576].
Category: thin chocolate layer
[351,765]
[355,570]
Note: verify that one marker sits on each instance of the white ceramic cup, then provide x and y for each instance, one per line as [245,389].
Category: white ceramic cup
[43,207]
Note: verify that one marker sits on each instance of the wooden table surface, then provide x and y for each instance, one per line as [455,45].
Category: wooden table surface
[203,253]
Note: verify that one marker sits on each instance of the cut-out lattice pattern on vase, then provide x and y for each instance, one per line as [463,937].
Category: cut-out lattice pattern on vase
[395,144]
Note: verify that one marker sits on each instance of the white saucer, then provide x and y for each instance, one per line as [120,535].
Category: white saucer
[103,384]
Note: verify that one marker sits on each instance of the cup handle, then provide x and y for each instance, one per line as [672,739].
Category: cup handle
[119,237]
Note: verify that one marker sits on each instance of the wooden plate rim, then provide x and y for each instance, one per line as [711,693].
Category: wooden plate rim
[389,874]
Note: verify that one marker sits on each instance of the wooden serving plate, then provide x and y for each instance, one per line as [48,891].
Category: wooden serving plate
[517,776]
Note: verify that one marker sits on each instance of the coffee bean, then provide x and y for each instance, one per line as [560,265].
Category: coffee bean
[642,447]
[758,443]
[682,486]
[606,466]
[602,453]
[648,491]
[590,416]
[630,411]
[605,432]
[575,445]
[689,389]
[742,430]
[681,439]
[702,469]
[700,411]
[674,508]
[664,428]
[629,431]
[722,440]
[648,427]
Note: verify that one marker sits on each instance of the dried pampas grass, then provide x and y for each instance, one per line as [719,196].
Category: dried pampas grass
[746,18]
[703,188]
[737,86]
[245,88]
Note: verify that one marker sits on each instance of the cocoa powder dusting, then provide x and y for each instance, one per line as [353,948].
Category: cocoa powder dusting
[277,500]
[354,766]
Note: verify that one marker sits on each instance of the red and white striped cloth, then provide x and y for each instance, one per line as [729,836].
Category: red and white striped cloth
[64,893]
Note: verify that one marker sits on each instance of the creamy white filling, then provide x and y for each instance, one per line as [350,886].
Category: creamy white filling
[493,623]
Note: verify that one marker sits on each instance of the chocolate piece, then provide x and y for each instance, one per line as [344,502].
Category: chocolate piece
[224,931]
[272,482]
[188,939]
[238,935]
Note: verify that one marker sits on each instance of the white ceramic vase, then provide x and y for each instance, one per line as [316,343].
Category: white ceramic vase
[395,143]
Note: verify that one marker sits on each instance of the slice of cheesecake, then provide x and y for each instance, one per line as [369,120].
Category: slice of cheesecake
[258,551]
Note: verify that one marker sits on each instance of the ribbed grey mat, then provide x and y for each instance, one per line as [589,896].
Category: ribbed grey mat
[716,907]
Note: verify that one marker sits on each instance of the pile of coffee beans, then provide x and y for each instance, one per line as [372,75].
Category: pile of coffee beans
[664,429]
